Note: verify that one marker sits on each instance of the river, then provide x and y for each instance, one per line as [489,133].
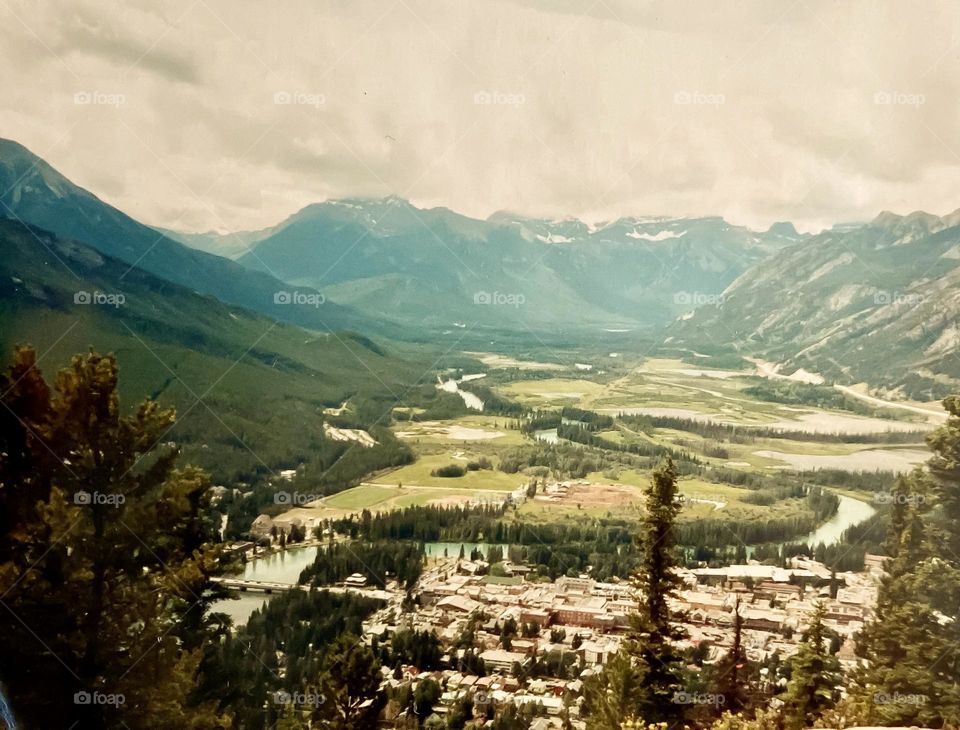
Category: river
[281,567]
[470,400]
[436,549]
[285,567]
[547,435]
[849,512]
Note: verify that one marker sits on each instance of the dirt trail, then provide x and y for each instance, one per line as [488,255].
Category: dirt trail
[938,416]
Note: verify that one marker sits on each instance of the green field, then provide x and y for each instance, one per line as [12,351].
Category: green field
[360,497]
[553,392]
[380,498]
[617,492]
[419,474]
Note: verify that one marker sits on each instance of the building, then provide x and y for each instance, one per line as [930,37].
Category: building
[762,619]
[536,616]
[576,615]
[357,580]
[459,604]
[502,661]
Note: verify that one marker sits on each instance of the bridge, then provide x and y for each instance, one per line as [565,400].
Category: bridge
[264,586]
[261,586]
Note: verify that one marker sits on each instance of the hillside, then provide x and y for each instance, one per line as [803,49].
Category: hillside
[250,391]
[440,269]
[877,303]
[36,194]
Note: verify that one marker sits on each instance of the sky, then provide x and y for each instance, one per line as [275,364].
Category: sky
[231,114]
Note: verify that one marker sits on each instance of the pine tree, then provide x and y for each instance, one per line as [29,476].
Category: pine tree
[911,670]
[944,467]
[730,673]
[654,630]
[815,676]
[425,696]
[104,561]
[643,680]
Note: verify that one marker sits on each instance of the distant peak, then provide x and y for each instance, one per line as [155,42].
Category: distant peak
[888,218]
[919,220]
[15,153]
[783,228]
[364,200]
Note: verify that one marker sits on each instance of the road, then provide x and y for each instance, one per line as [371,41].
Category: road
[938,416]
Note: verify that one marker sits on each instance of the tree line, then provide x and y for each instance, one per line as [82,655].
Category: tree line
[737,434]
[378,562]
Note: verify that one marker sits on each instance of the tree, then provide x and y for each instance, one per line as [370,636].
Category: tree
[460,711]
[763,720]
[911,672]
[814,678]
[425,696]
[644,678]
[730,673]
[422,649]
[104,555]
[350,687]
[654,630]
[944,468]
[614,695]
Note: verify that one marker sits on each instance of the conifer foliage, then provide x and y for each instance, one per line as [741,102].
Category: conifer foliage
[104,565]
[911,668]
[642,681]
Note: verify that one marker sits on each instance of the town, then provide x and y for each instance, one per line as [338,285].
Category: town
[509,639]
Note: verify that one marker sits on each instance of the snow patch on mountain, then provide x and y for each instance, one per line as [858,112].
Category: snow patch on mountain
[660,236]
[953,253]
[554,238]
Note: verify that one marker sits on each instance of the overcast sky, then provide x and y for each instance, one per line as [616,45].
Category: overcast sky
[233,114]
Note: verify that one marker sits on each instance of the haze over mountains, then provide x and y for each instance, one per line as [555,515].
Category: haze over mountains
[430,268]
[827,302]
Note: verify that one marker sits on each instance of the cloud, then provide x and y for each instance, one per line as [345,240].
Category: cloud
[134,38]
[235,114]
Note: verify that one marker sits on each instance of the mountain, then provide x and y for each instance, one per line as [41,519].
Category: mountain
[878,302]
[250,391]
[34,193]
[219,243]
[436,268]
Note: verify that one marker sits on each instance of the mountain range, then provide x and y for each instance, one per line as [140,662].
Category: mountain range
[383,262]
[249,390]
[436,268]
[34,193]
[877,303]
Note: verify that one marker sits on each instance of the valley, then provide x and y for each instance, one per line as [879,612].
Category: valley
[524,365]
[405,437]
[652,403]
